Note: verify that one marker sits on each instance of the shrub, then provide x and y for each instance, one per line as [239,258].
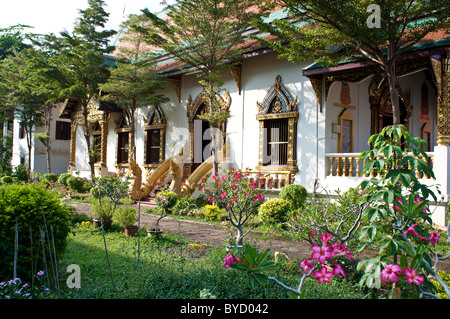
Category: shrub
[185,205]
[294,194]
[446,278]
[7,180]
[62,179]
[50,177]
[103,209]
[95,193]
[125,216]
[27,204]
[76,184]
[213,212]
[21,172]
[275,210]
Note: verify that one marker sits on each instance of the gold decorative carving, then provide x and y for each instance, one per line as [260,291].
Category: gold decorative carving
[277,100]
[277,104]
[236,73]
[176,84]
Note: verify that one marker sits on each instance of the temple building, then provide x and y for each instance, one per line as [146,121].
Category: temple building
[299,123]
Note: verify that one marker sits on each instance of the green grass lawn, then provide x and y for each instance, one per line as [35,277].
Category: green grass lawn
[169,268]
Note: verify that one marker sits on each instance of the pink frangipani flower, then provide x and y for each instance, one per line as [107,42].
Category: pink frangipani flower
[339,270]
[307,265]
[325,238]
[230,260]
[323,275]
[434,238]
[391,272]
[321,253]
[412,277]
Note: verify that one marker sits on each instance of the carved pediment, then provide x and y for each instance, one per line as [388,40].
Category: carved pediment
[277,100]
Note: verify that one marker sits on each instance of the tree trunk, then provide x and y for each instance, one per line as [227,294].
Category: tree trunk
[393,90]
[240,235]
[48,150]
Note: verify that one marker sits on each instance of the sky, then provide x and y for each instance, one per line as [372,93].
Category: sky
[54,16]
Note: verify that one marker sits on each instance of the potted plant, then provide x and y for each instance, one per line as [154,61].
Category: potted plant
[102,210]
[126,217]
[165,199]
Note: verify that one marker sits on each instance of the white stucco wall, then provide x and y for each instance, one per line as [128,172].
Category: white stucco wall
[59,148]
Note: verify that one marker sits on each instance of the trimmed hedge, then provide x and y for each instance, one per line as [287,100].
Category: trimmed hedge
[275,210]
[27,204]
[295,194]
[62,179]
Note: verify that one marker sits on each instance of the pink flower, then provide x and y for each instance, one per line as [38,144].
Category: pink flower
[210,199]
[434,238]
[412,277]
[325,238]
[323,275]
[230,260]
[360,191]
[224,194]
[235,198]
[412,231]
[391,272]
[338,270]
[307,265]
[224,223]
[321,253]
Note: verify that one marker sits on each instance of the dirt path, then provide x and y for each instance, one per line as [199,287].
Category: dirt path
[204,233]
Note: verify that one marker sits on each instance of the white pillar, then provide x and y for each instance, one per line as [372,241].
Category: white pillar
[442,173]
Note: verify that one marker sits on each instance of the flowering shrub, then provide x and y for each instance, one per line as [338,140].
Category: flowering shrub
[16,289]
[166,200]
[112,187]
[238,195]
[322,265]
[397,217]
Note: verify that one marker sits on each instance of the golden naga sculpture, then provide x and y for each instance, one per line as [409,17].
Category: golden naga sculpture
[202,173]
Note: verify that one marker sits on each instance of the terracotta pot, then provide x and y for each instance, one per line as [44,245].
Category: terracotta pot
[97,223]
[131,230]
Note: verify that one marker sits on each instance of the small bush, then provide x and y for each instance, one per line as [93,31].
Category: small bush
[184,205]
[21,173]
[212,213]
[62,179]
[7,180]
[125,216]
[95,193]
[446,278]
[76,184]
[50,177]
[103,209]
[275,210]
[27,204]
[294,194]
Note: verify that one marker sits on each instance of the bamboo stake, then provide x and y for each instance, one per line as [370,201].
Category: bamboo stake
[48,242]
[56,262]
[43,255]
[16,249]
[107,258]
[32,266]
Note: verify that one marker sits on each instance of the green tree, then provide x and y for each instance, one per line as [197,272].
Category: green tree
[381,31]
[397,217]
[25,92]
[204,35]
[79,62]
[11,40]
[133,83]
